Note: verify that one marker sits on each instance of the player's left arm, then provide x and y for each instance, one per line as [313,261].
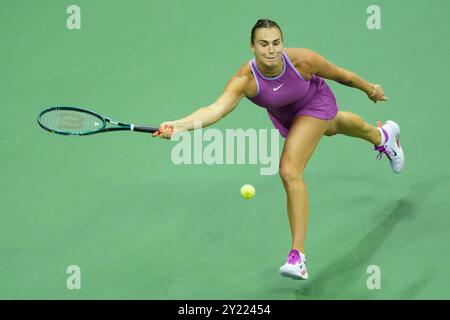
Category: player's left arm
[323,68]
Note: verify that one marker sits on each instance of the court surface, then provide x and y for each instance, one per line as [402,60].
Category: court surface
[140,227]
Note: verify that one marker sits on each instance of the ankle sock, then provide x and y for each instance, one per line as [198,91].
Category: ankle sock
[383,135]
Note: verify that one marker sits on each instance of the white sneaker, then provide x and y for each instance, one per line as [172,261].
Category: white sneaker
[295,267]
[391,147]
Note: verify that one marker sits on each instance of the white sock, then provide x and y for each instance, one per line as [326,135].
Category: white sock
[383,139]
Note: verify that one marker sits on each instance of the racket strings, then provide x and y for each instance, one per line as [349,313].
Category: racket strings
[71,121]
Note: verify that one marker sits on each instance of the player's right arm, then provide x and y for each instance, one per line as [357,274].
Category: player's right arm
[203,117]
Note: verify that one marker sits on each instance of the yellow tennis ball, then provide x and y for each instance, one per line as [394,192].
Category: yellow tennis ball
[247,191]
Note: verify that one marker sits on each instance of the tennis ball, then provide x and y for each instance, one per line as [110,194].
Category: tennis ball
[247,191]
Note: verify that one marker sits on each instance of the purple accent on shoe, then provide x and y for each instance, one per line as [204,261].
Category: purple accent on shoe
[294,257]
[386,136]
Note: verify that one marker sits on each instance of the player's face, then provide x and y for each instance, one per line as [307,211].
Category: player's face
[268,46]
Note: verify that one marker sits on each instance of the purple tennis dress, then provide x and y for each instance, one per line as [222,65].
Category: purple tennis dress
[289,95]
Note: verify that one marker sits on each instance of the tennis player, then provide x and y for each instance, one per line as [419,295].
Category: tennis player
[289,83]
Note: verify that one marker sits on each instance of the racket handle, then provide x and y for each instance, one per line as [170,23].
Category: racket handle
[143,128]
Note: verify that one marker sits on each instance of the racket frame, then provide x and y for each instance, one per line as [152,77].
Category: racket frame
[119,126]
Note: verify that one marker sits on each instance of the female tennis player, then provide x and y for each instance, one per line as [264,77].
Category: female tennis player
[289,83]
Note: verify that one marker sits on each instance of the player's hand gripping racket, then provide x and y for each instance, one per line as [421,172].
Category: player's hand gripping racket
[81,122]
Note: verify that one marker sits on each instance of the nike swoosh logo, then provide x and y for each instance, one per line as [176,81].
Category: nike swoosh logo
[276,89]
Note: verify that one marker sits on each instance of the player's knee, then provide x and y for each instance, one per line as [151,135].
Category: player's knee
[289,172]
[332,128]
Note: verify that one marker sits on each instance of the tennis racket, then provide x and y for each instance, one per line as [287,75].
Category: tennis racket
[82,122]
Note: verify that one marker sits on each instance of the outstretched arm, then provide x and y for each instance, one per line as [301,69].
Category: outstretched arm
[206,116]
[325,69]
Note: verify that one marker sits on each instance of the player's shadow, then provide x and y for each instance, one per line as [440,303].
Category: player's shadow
[331,283]
[414,288]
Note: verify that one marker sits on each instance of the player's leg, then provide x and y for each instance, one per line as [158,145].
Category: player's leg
[303,138]
[350,124]
[386,138]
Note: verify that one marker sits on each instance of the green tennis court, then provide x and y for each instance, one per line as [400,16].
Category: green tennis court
[139,226]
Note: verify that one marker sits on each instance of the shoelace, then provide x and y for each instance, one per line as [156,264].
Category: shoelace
[383,149]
